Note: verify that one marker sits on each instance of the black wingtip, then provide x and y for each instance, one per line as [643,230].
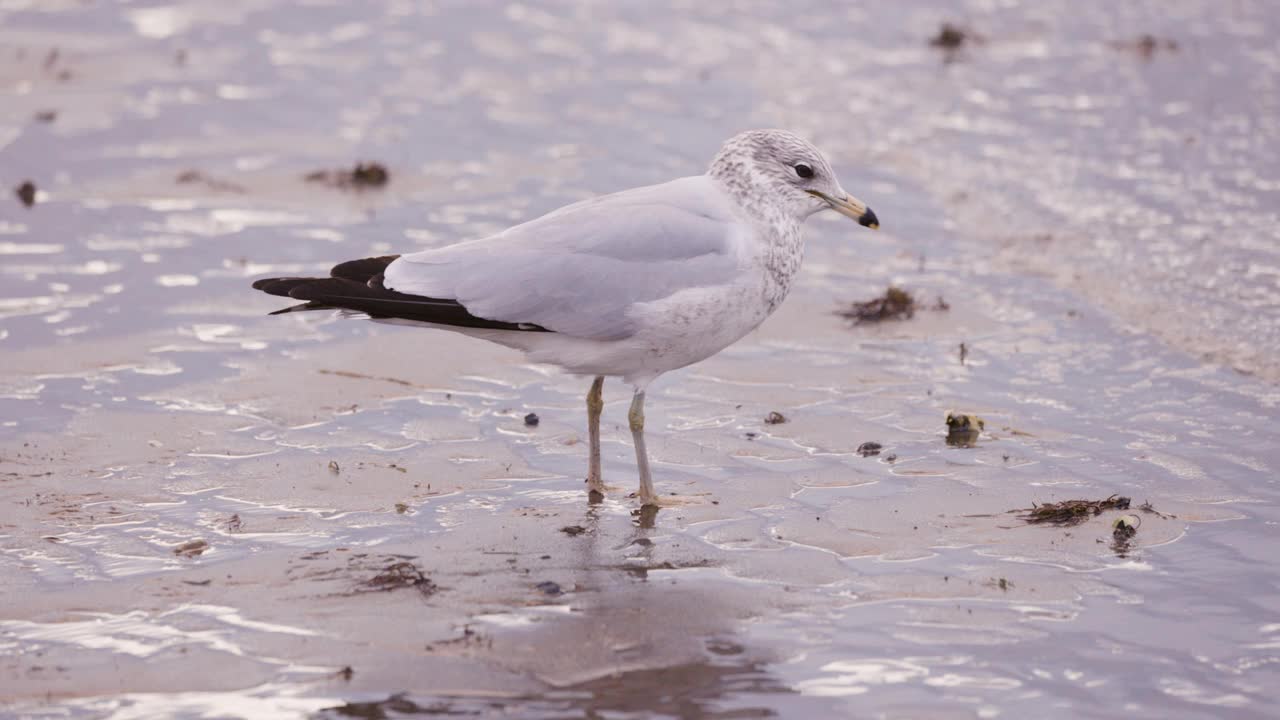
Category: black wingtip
[358,286]
[282,286]
[301,307]
[362,270]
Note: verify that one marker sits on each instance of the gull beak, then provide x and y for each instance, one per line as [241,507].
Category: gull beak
[852,207]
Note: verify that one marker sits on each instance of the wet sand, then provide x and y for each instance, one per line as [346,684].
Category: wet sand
[211,512]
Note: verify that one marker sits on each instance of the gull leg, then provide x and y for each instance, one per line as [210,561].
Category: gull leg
[636,417]
[595,404]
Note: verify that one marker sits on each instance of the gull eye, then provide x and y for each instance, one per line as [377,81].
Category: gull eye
[804,171]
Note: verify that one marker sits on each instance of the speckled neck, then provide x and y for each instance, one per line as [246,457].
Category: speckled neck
[777,226]
[758,170]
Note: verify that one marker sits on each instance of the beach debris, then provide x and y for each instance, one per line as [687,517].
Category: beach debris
[397,575]
[549,587]
[641,571]
[395,706]
[1145,46]
[951,40]
[364,176]
[26,193]
[961,421]
[894,304]
[573,530]
[370,174]
[191,548]
[362,376]
[1071,512]
[1146,507]
[1122,532]
[1016,432]
[45,116]
[50,61]
[531,420]
[192,177]
[774,418]
[1126,526]
[867,449]
[468,638]
[963,430]
[949,37]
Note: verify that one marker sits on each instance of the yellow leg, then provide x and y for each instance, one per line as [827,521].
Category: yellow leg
[636,419]
[595,405]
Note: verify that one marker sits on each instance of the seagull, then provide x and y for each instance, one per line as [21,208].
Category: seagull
[632,285]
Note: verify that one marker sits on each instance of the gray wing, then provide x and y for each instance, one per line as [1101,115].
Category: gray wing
[581,269]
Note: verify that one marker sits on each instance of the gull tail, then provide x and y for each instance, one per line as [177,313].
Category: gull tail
[357,285]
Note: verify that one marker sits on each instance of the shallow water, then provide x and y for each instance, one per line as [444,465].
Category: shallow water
[1100,220]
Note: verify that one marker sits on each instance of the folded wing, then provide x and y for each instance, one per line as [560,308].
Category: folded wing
[582,269]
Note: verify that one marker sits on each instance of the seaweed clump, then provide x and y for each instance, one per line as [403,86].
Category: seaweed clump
[894,304]
[398,575]
[952,40]
[964,430]
[869,449]
[1148,508]
[950,37]
[364,176]
[1072,512]
[1122,532]
[26,193]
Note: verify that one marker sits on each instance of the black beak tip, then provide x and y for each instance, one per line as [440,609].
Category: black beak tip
[869,220]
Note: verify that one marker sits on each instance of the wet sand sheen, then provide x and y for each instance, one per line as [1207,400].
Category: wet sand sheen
[209,510]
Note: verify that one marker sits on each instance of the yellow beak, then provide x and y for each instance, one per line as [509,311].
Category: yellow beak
[852,207]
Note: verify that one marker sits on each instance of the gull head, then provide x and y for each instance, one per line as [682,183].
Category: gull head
[780,171]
